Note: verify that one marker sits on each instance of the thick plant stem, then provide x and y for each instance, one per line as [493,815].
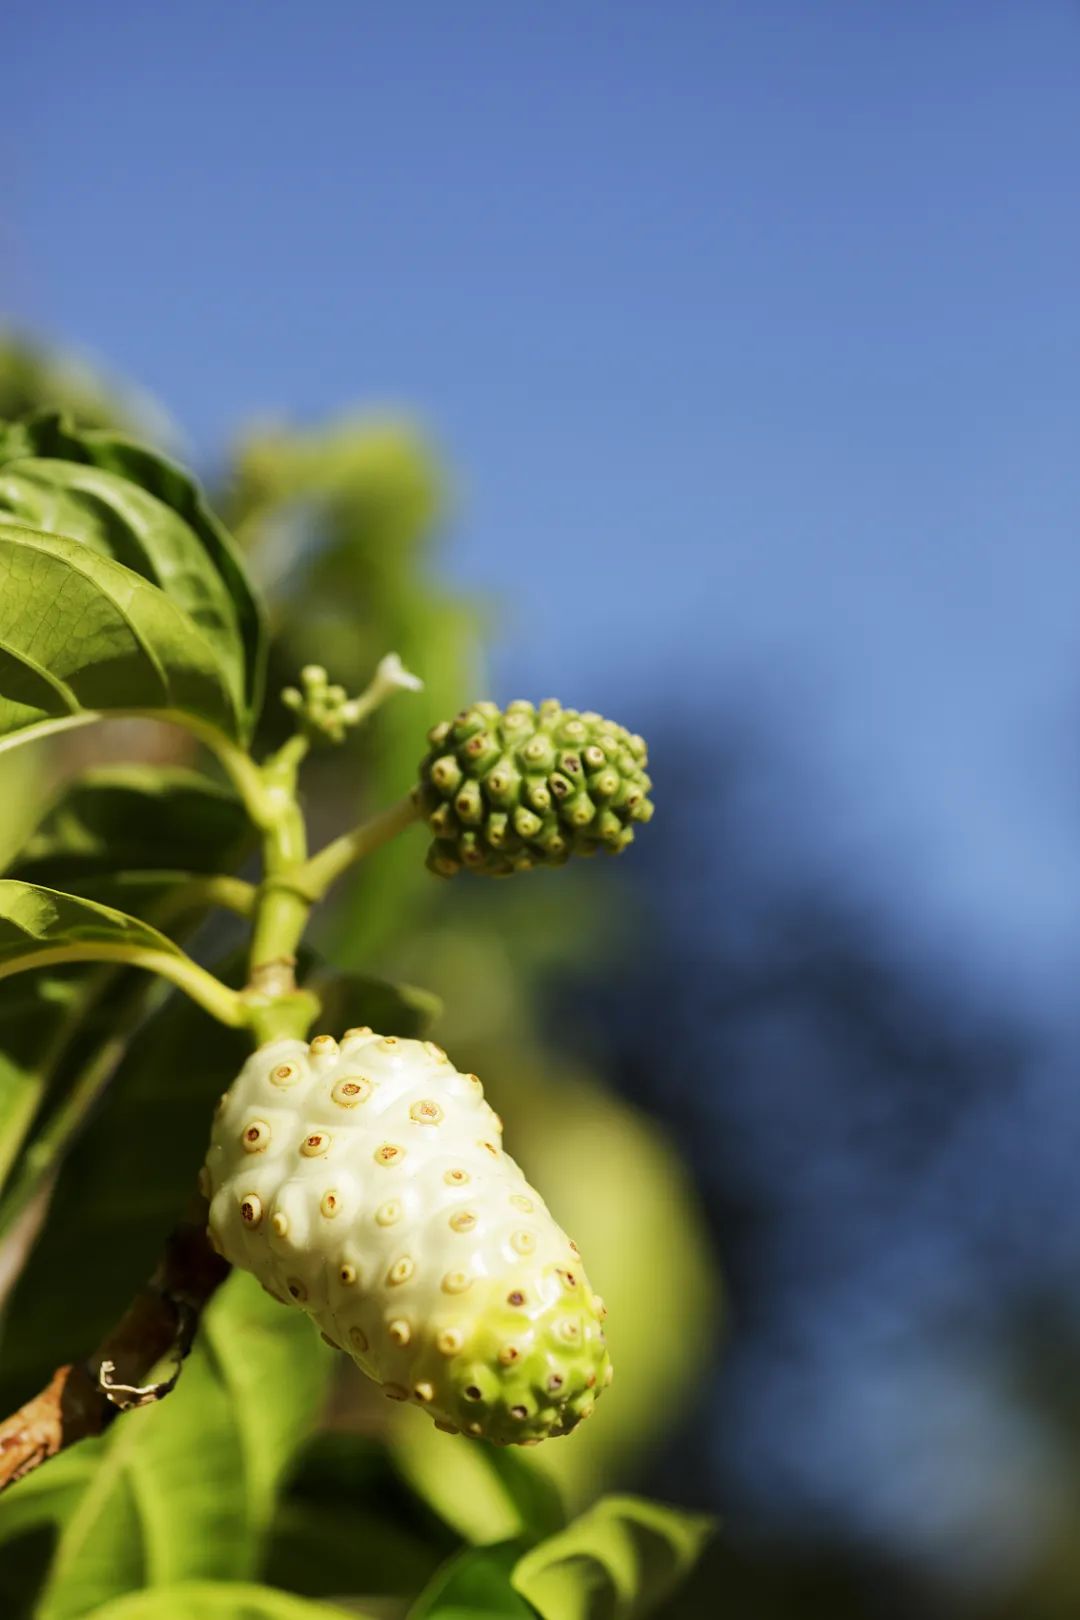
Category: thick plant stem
[282,1016]
[323,869]
[282,908]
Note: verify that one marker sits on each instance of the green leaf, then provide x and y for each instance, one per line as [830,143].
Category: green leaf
[120,520]
[485,1494]
[118,820]
[173,561]
[474,1585]
[55,1023]
[81,635]
[349,999]
[36,922]
[218,1600]
[183,1490]
[347,1522]
[35,375]
[618,1561]
[124,1184]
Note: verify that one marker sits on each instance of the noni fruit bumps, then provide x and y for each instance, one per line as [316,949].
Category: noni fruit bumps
[366,1183]
[506,790]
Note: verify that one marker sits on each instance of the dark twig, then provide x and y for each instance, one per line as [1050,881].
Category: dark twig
[159,1325]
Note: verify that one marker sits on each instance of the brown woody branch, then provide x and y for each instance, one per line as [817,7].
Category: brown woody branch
[158,1326]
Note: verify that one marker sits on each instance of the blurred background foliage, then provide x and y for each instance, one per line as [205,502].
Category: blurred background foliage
[756,1065]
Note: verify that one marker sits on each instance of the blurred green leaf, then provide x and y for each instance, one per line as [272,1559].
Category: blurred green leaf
[347,1522]
[184,1489]
[218,1600]
[474,1585]
[618,1561]
[486,1494]
[191,555]
[118,643]
[33,375]
[351,999]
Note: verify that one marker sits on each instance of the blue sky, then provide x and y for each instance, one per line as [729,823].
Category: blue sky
[751,332]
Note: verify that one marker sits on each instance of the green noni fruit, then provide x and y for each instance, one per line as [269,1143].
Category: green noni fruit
[507,790]
[366,1183]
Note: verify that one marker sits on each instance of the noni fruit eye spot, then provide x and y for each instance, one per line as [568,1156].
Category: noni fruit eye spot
[407,1234]
[506,790]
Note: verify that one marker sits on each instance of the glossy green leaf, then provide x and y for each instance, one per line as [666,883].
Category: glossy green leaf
[51,436]
[219,1600]
[618,1561]
[118,519]
[82,635]
[475,1585]
[183,1490]
[35,922]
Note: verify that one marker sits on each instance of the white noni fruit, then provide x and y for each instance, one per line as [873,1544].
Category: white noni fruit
[366,1183]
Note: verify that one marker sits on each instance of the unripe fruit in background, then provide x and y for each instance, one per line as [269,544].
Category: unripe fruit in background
[366,1184]
[506,790]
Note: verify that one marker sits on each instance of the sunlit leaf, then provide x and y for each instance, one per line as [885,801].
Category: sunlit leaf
[120,520]
[486,1494]
[200,568]
[219,1600]
[35,922]
[476,1585]
[618,1561]
[81,635]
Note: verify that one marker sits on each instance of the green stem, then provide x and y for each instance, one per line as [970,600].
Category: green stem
[323,869]
[287,761]
[278,1016]
[210,994]
[282,909]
